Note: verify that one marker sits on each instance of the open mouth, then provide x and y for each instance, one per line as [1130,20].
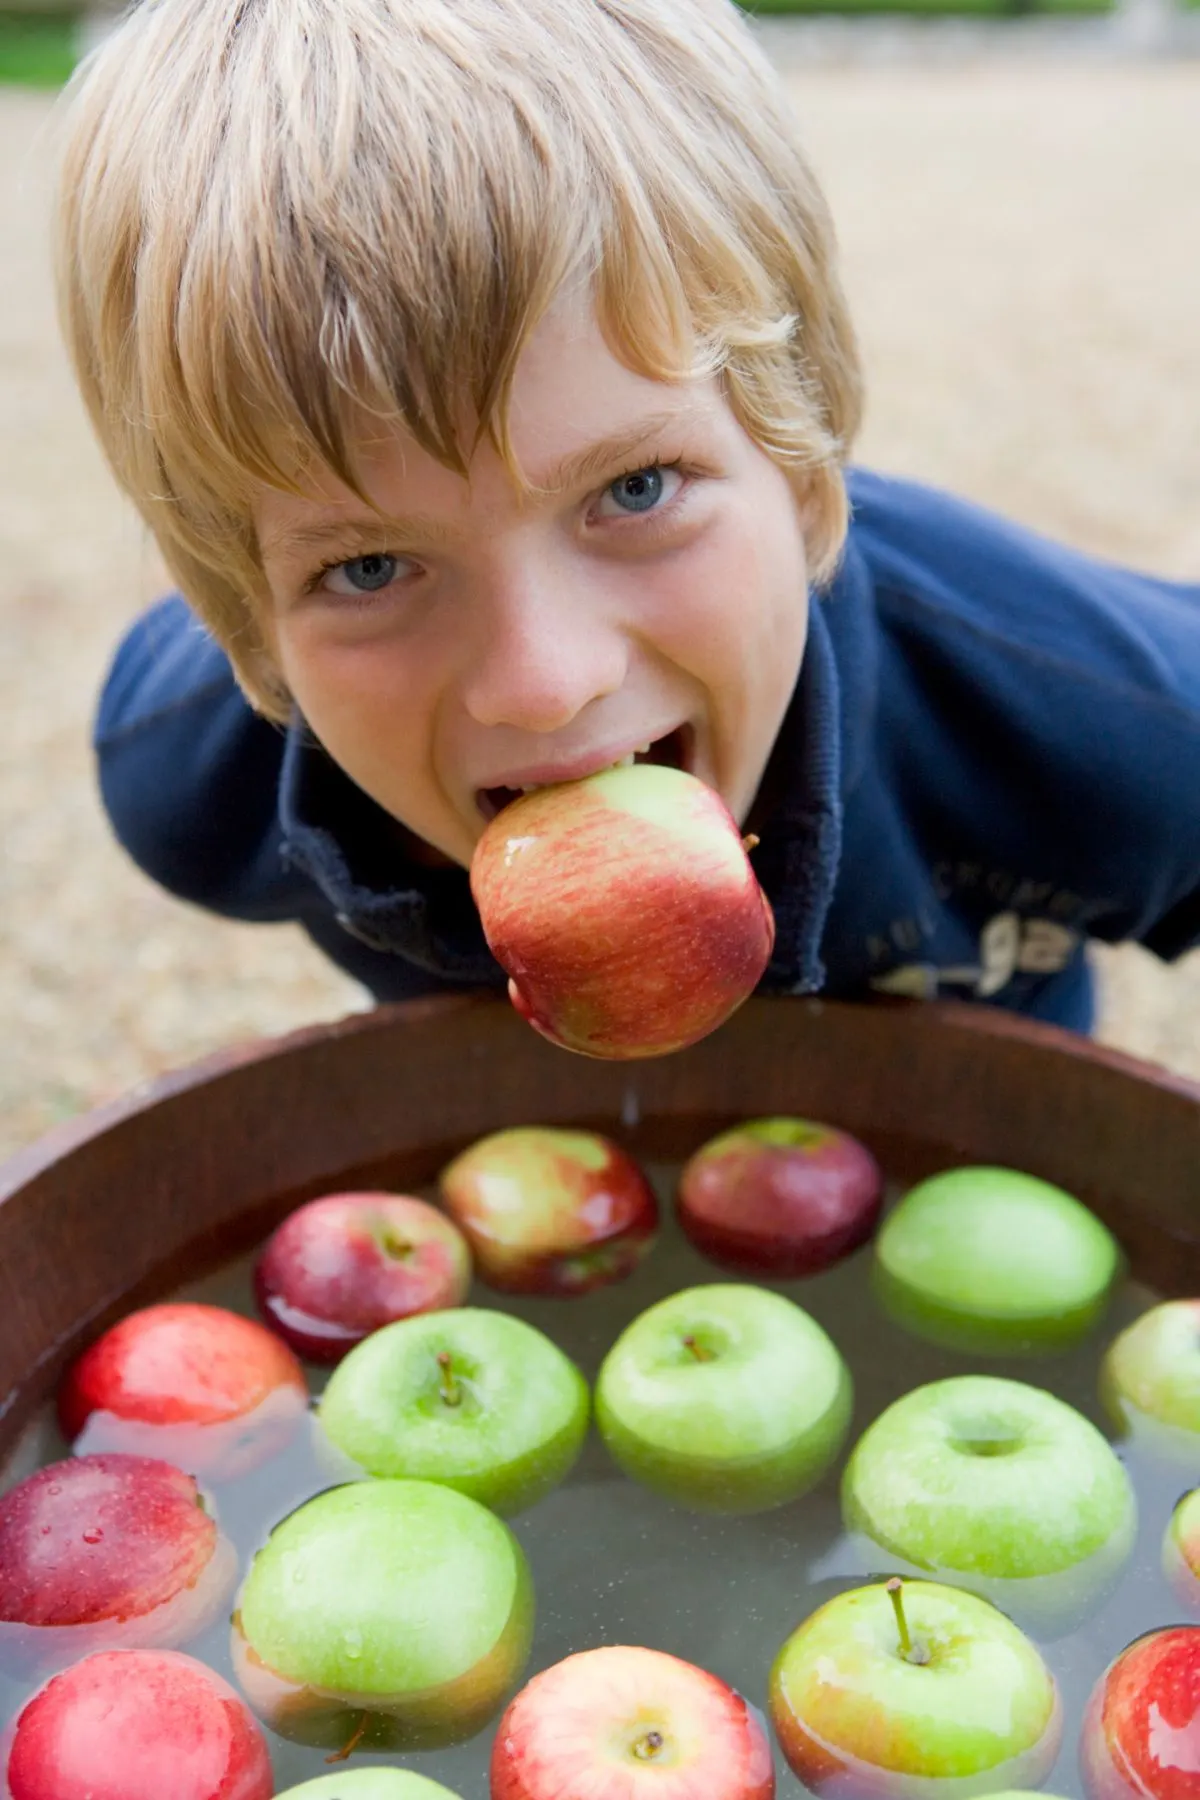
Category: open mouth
[674,751]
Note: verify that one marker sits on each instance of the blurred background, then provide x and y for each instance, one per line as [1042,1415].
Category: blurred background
[1018,190]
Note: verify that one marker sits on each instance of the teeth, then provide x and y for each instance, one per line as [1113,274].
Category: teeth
[642,750]
[626,762]
[532,788]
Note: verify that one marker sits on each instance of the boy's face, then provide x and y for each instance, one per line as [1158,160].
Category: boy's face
[478,641]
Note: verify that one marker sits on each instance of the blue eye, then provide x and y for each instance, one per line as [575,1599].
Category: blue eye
[367,574]
[638,492]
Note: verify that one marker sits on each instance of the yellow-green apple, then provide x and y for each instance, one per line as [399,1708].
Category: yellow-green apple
[1181,1550]
[623,1723]
[137,1725]
[384,1614]
[998,1487]
[199,1386]
[476,1399]
[370,1784]
[102,1552]
[780,1197]
[995,1263]
[548,1211]
[1141,1730]
[1150,1382]
[624,909]
[344,1265]
[883,1695]
[726,1398]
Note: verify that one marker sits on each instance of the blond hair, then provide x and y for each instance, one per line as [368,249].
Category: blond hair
[274,213]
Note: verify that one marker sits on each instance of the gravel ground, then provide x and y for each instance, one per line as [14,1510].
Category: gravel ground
[1021,247]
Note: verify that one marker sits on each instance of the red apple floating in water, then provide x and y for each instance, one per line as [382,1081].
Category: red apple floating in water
[550,1212]
[1141,1730]
[106,1551]
[343,1266]
[137,1725]
[625,910]
[780,1197]
[623,1723]
[196,1385]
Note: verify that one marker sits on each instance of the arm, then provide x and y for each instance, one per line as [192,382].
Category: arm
[189,773]
[189,776]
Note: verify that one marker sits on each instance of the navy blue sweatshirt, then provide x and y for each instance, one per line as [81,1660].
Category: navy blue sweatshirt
[992,754]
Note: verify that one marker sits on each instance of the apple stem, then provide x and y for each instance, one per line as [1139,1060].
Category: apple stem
[648,1747]
[698,1350]
[750,842]
[347,1750]
[913,1653]
[451,1391]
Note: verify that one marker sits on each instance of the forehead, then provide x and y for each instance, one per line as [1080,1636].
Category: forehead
[575,410]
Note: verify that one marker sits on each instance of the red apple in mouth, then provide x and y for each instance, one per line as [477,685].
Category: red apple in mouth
[102,1552]
[348,1264]
[672,751]
[624,909]
[621,1723]
[196,1385]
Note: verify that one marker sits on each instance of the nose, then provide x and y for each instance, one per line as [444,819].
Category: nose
[541,654]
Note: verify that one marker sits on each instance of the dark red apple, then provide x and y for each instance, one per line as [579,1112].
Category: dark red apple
[343,1266]
[780,1197]
[548,1211]
[137,1725]
[630,1724]
[625,910]
[106,1551]
[1141,1730]
[201,1387]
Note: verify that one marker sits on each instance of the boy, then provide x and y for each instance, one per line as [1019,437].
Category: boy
[482,370]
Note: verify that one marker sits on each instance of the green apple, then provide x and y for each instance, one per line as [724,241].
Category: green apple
[1150,1381]
[476,1399]
[997,1486]
[993,1262]
[1181,1551]
[370,1784]
[394,1614]
[882,1694]
[725,1398]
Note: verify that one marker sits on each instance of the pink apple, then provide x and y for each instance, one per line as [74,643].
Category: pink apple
[137,1725]
[342,1267]
[780,1197]
[1141,1730]
[201,1387]
[548,1211]
[623,1724]
[625,910]
[106,1551]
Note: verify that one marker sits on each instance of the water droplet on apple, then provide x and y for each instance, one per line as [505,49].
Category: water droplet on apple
[93,1535]
[353,1642]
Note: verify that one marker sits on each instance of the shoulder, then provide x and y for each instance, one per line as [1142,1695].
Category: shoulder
[952,578]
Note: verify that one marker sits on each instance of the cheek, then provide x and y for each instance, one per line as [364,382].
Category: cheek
[364,699]
[738,602]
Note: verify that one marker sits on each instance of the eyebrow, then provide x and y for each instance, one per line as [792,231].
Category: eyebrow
[571,471]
